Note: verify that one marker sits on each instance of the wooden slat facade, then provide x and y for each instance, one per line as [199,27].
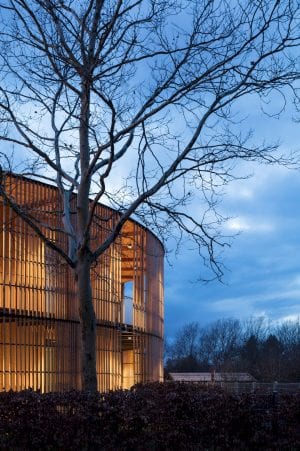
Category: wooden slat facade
[39,322]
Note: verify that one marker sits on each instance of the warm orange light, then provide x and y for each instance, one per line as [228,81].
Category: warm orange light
[39,323]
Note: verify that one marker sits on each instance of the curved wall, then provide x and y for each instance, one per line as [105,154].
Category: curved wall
[39,324]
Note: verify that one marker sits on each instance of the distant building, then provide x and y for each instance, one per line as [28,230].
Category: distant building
[39,321]
[212,377]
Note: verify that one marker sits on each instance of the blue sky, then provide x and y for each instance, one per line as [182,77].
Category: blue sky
[263,265]
[263,270]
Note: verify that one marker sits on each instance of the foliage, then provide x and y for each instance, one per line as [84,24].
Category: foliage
[153,416]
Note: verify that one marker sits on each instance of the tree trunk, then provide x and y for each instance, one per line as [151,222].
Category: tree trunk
[87,324]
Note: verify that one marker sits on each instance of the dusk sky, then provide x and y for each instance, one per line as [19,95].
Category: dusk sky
[263,264]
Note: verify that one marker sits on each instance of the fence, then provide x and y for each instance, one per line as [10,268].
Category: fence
[255,387]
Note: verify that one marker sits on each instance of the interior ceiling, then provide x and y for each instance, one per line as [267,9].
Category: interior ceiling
[127,251]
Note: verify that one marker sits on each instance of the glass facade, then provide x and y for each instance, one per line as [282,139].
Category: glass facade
[39,323]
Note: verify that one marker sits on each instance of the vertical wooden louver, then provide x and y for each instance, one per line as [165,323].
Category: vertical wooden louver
[39,324]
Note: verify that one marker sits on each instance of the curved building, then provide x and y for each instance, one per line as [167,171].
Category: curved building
[39,323]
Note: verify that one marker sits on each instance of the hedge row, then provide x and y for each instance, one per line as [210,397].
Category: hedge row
[149,417]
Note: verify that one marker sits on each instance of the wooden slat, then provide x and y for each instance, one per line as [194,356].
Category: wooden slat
[39,323]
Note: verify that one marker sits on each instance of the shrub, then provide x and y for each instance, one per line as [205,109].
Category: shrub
[153,416]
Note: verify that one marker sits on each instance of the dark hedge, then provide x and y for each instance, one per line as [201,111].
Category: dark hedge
[169,416]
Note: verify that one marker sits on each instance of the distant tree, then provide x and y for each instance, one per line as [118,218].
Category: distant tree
[88,87]
[258,327]
[183,352]
[271,353]
[219,344]
[250,353]
[288,334]
[271,358]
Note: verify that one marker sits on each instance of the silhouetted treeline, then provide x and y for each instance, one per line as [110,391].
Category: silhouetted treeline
[269,352]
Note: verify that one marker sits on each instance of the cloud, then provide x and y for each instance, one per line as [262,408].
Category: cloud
[256,182]
[244,224]
[229,303]
[293,318]
[276,305]
[246,193]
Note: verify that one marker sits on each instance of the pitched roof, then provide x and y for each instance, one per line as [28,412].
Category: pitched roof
[211,376]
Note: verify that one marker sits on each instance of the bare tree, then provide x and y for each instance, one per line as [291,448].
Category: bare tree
[182,354]
[220,342]
[88,87]
[187,339]
[288,334]
[258,327]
